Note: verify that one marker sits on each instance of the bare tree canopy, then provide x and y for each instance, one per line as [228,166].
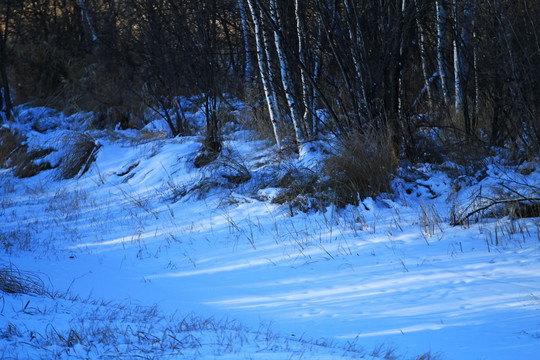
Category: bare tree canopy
[318,66]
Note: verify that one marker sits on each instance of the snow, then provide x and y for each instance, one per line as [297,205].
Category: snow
[139,259]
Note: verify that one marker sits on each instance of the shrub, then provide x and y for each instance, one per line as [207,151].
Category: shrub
[9,142]
[363,166]
[13,153]
[80,153]
[27,164]
[14,281]
[297,183]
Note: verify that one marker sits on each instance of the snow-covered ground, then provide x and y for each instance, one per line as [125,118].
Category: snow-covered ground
[146,256]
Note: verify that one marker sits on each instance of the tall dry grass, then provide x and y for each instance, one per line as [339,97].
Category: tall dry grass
[363,166]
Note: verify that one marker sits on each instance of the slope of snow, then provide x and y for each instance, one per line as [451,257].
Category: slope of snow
[146,256]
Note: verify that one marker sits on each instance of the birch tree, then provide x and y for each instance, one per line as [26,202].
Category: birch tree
[476,107]
[286,76]
[469,11]
[206,16]
[5,94]
[88,20]
[267,41]
[248,71]
[402,33]
[458,78]
[441,45]
[423,54]
[264,74]
[306,94]
[462,25]
[316,67]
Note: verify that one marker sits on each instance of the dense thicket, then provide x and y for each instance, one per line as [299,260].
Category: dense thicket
[317,66]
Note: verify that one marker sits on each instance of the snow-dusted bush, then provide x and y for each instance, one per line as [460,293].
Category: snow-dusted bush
[362,167]
[8,143]
[80,153]
[14,153]
[15,281]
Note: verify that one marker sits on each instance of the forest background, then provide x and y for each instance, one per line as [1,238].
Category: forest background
[465,72]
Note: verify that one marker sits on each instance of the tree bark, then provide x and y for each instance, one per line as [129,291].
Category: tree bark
[286,77]
[423,56]
[91,30]
[401,92]
[441,45]
[356,38]
[248,70]
[458,78]
[5,93]
[266,79]
[306,93]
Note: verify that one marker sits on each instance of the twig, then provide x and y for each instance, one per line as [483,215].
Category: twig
[493,203]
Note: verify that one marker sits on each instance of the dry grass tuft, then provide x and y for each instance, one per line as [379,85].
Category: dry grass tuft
[14,154]
[9,142]
[512,198]
[254,116]
[298,184]
[362,167]
[15,281]
[227,171]
[81,152]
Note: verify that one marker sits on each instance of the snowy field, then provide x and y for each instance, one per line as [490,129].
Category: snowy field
[145,256]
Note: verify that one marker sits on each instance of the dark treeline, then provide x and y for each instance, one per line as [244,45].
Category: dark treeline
[315,66]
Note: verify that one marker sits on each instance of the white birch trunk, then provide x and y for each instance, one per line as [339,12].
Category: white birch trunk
[423,58]
[458,87]
[268,63]
[469,11]
[286,75]
[476,82]
[316,65]
[271,101]
[401,57]
[249,66]
[301,56]
[441,44]
[86,16]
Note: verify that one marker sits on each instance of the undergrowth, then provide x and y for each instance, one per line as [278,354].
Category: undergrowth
[363,166]
[14,153]
[80,153]
[85,328]
[15,281]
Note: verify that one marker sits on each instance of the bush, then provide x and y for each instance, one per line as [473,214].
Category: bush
[14,281]
[14,154]
[9,142]
[363,166]
[81,151]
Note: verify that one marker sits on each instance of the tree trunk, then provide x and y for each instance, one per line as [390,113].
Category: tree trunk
[400,90]
[248,70]
[306,93]
[328,30]
[286,77]
[462,34]
[423,56]
[266,79]
[476,107]
[316,66]
[469,13]
[458,78]
[91,30]
[356,38]
[441,45]
[5,94]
